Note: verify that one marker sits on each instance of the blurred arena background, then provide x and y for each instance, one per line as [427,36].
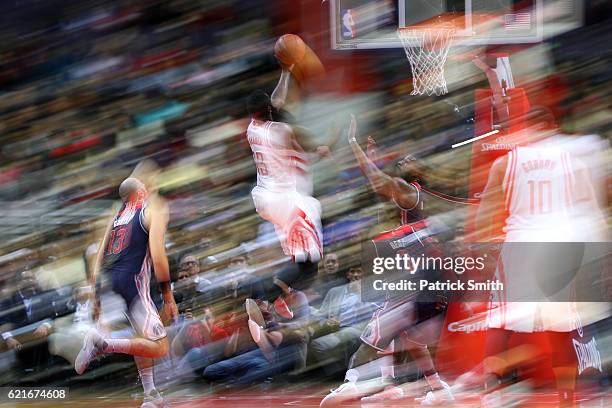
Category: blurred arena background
[89,89]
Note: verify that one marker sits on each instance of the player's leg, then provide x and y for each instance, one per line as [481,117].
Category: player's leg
[495,362]
[96,344]
[495,365]
[304,231]
[151,344]
[564,365]
[413,339]
[144,318]
[412,342]
[137,347]
[368,373]
[297,220]
[152,398]
[377,338]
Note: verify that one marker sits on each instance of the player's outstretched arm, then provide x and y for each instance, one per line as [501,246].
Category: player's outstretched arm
[501,108]
[404,194]
[280,95]
[158,223]
[488,224]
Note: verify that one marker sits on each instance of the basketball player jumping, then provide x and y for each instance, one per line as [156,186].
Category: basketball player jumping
[132,245]
[283,185]
[398,318]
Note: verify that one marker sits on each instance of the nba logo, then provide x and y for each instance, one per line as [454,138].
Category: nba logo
[348,24]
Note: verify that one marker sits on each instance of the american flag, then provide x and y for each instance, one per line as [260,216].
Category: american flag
[517,21]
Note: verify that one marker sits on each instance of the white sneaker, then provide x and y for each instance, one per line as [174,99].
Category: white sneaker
[92,348]
[437,397]
[345,392]
[154,400]
[391,393]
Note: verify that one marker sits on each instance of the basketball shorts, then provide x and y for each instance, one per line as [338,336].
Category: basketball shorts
[538,287]
[142,313]
[297,220]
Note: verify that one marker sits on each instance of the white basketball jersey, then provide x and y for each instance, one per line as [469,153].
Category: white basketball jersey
[538,186]
[273,155]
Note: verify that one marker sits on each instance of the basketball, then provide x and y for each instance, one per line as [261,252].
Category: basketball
[289,49]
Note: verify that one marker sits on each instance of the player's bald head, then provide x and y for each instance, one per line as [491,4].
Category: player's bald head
[129,187]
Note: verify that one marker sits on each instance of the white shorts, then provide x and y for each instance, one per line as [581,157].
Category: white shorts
[142,313]
[297,220]
[527,304]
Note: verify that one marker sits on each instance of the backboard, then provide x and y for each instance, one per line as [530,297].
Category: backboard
[371,24]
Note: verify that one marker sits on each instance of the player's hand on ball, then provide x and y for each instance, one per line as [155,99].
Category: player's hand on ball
[352,130]
[284,66]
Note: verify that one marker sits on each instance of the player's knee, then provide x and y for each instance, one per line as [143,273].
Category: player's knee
[161,348]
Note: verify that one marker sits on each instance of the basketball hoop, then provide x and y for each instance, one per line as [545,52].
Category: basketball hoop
[427,49]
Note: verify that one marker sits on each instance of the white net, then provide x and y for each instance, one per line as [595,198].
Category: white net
[427,49]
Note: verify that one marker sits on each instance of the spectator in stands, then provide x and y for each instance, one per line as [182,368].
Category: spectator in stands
[339,323]
[27,316]
[329,276]
[68,331]
[284,339]
[185,286]
[198,344]
[236,273]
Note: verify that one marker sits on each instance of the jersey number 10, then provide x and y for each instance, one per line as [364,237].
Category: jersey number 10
[540,196]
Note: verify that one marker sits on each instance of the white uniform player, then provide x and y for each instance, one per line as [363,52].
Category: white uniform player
[540,192]
[283,187]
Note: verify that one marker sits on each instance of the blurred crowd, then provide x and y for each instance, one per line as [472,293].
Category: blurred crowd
[89,89]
